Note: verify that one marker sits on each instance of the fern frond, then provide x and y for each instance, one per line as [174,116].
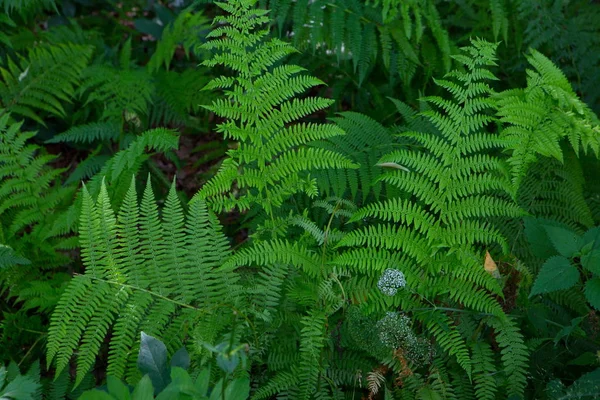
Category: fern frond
[259,106]
[88,133]
[142,273]
[43,80]
[540,116]
[118,91]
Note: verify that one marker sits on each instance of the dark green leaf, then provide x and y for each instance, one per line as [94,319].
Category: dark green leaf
[152,360]
[557,273]
[538,238]
[592,292]
[587,358]
[591,261]
[202,382]
[564,241]
[181,359]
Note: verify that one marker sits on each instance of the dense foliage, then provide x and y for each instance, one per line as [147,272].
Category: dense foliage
[326,199]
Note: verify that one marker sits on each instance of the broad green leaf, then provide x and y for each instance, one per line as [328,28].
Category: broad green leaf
[96,395]
[239,389]
[202,382]
[143,390]
[591,261]
[180,377]
[592,292]
[557,273]
[567,243]
[20,388]
[152,360]
[2,376]
[181,386]
[538,238]
[426,393]
[592,236]
[117,389]
[587,358]
[217,389]
[181,359]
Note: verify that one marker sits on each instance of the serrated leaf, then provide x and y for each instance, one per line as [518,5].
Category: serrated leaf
[557,273]
[592,236]
[592,292]
[591,261]
[152,360]
[20,388]
[538,238]
[564,241]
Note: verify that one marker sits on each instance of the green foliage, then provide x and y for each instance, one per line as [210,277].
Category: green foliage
[143,272]
[270,161]
[15,386]
[168,381]
[575,253]
[409,204]
[43,80]
[404,35]
[541,115]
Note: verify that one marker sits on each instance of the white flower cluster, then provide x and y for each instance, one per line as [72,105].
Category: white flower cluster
[391,281]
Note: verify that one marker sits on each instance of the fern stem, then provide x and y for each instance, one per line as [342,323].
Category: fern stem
[30,349]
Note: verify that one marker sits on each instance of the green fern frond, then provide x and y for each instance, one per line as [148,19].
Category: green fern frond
[88,133]
[29,196]
[27,8]
[365,142]
[540,116]
[186,31]
[515,354]
[43,80]
[118,91]
[142,272]
[9,258]
[270,161]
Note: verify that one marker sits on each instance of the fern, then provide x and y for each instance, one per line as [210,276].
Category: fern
[28,197]
[454,185]
[48,76]
[8,257]
[27,8]
[543,114]
[119,91]
[89,133]
[392,31]
[365,142]
[186,31]
[270,162]
[141,273]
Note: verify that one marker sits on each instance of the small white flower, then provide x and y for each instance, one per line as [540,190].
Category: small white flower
[391,280]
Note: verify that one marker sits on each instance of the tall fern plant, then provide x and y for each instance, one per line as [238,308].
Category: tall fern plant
[262,113]
[456,187]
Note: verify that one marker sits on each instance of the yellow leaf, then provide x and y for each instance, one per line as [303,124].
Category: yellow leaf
[490,265]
